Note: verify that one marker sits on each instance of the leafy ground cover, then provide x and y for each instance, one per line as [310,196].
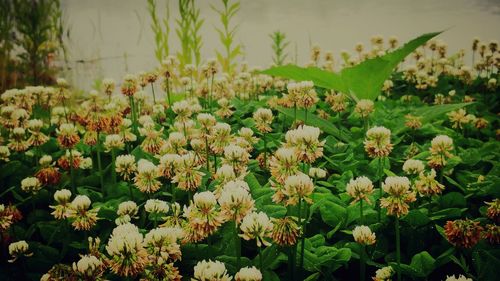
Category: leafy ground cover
[387,169]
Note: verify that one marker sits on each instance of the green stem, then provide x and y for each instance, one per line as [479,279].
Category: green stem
[215,162]
[299,215]
[133,114]
[398,249]
[113,170]
[210,94]
[172,187]
[71,172]
[302,245]
[99,163]
[153,90]
[361,216]
[305,119]
[260,259]
[130,192]
[168,92]
[237,245]
[265,150]
[362,263]
[207,148]
[379,209]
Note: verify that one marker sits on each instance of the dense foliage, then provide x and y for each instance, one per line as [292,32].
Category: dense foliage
[257,177]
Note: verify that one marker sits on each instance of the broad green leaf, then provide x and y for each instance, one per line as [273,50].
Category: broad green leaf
[321,78]
[486,263]
[365,80]
[423,262]
[332,213]
[416,218]
[362,81]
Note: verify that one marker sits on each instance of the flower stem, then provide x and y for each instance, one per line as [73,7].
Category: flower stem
[237,246]
[99,164]
[265,149]
[207,148]
[379,176]
[361,216]
[113,170]
[71,172]
[362,263]
[260,259]
[299,215]
[168,92]
[398,249]
[153,90]
[133,114]
[302,245]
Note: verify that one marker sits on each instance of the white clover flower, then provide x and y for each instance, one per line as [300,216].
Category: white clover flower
[81,202]
[363,235]
[248,274]
[359,189]
[31,184]
[45,160]
[88,265]
[62,196]
[113,141]
[4,153]
[256,226]
[413,167]
[384,274]
[459,278]
[147,167]
[18,249]
[86,163]
[156,206]
[204,200]
[127,208]
[317,173]
[210,271]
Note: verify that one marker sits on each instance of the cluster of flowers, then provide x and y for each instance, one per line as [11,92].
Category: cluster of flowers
[201,144]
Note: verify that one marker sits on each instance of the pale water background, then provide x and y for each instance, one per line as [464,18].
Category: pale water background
[109,38]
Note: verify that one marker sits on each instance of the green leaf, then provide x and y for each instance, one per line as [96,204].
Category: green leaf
[416,218]
[452,199]
[321,78]
[486,263]
[363,81]
[332,213]
[423,262]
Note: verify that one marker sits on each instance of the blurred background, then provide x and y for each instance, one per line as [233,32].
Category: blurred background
[108,38]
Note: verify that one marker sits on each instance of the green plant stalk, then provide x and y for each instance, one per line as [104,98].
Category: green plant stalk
[207,148]
[361,216]
[153,90]
[398,249]
[71,172]
[99,163]
[168,91]
[172,190]
[210,95]
[113,170]
[379,208]
[237,245]
[299,215]
[305,117]
[133,114]
[362,262]
[302,245]
[265,149]
[260,259]
[131,194]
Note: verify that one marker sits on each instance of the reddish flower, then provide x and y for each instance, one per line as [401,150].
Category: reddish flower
[463,233]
